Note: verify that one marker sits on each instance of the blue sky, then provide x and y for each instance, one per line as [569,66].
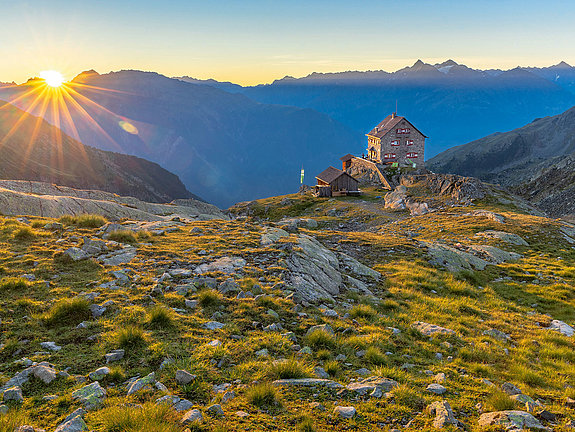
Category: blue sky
[254,41]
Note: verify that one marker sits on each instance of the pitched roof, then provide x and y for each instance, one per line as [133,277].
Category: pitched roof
[346,157]
[330,174]
[388,124]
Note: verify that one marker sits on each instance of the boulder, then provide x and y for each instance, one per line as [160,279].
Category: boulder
[511,420]
[503,236]
[192,416]
[561,327]
[76,424]
[374,386]
[183,377]
[147,381]
[272,235]
[91,395]
[453,259]
[223,265]
[436,388]
[307,382]
[344,412]
[99,373]
[13,394]
[115,355]
[443,414]
[44,372]
[175,402]
[431,329]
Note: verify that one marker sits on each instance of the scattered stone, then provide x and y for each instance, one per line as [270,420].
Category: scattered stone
[44,372]
[503,236]
[192,416]
[75,424]
[97,310]
[242,414]
[443,414]
[431,329]
[50,346]
[91,395]
[175,402]
[13,394]
[436,388]
[224,265]
[307,382]
[510,389]
[213,325]
[320,372]
[511,420]
[489,215]
[76,254]
[561,327]
[374,386]
[99,374]
[344,412]
[323,327]
[497,334]
[147,381]
[183,377]
[115,355]
[216,410]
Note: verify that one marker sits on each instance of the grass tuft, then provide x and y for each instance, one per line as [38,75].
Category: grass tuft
[13,284]
[500,401]
[320,339]
[291,368]
[363,311]
[148,417]
[84,220]
[160,317]
[123,236]
[131,337]
[264,395]
[68,312]
[209,298]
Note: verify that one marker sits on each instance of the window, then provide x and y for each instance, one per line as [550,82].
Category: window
[411,155]
[402,131]
[389,156]
[395,143]
[409,142]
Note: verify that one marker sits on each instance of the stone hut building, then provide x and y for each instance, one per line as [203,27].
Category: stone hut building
[396,142]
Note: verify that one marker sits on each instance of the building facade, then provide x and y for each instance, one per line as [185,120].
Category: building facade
[395,142]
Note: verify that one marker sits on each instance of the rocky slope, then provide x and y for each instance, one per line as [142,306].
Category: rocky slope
[34,150]
[19,197]
[311,314]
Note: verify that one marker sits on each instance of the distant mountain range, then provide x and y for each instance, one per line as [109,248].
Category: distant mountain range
[451,103]
[225,147]
[537,161]
[32,149]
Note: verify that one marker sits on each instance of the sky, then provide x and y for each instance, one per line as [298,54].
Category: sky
[256,41]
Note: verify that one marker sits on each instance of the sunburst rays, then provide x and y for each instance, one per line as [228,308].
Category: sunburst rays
[64,107]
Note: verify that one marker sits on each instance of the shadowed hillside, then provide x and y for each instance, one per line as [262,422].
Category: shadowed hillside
[32,149]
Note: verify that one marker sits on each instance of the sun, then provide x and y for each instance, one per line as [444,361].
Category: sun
[52,78]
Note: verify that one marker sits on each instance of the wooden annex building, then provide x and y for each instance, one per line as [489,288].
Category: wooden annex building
[335,182]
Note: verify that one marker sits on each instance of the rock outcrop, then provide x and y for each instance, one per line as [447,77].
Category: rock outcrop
[48,200]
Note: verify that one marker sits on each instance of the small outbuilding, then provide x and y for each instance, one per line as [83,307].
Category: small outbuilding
[334,182]
[346,161]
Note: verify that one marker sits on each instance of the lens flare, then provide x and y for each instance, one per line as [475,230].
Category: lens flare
[128,127]
[52,78]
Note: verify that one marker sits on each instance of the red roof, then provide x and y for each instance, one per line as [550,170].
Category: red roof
[388,124]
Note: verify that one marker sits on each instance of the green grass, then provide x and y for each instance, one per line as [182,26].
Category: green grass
[12,420]
[123,236]
[499,401]
[264,395]
[160,317]
[209,298]
[130,336]
[13,284]
[148,417]
[332,367]
[290,368]
[320,339]
[363,311]
[68,312]
[25,234]
[374,356]
[84,220]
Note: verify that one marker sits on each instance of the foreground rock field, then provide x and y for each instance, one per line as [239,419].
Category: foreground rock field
[296,314]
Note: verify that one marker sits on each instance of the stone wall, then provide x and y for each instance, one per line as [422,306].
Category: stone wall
[403,149]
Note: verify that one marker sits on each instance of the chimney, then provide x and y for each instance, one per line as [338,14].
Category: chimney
[393,115]
[377,129]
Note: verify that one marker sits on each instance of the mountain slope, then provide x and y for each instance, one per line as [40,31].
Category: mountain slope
[512,157]
[35,150]
[451,103]
[224,147]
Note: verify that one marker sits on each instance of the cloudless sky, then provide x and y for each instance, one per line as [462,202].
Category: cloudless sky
[256,41]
